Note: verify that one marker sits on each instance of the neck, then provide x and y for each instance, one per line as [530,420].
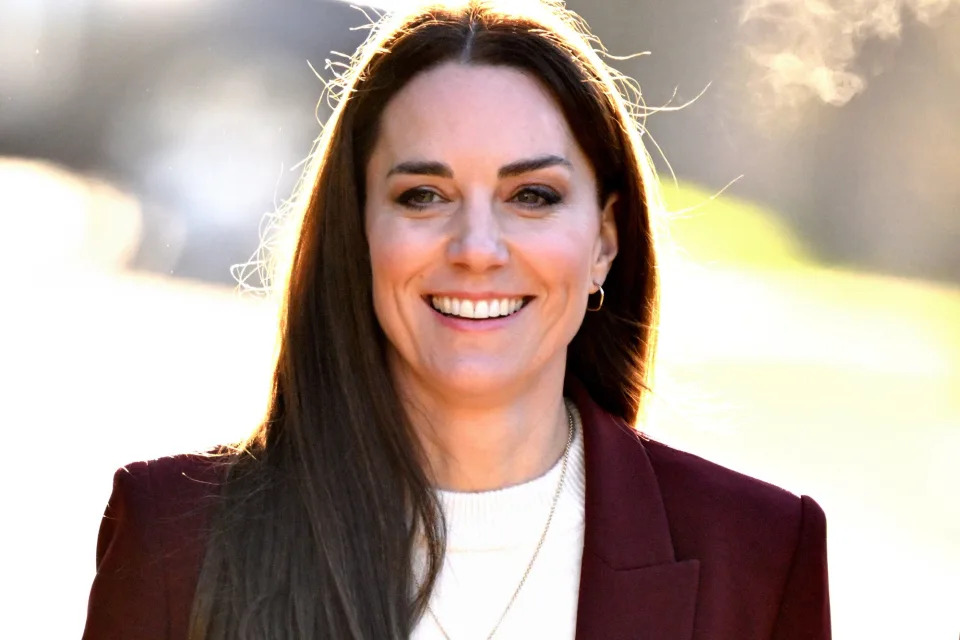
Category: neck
[500,440]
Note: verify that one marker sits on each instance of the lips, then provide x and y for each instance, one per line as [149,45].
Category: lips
[476,309]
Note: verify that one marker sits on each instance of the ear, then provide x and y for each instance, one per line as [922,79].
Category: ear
[607,243]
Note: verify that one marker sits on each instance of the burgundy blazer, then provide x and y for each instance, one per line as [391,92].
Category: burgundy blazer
[675,547]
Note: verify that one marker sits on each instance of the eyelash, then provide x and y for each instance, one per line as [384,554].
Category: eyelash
[548,197]
[406,198]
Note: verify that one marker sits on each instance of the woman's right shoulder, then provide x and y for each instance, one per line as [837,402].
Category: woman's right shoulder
[172,490]
[193,473]
[151,544]
[171,487]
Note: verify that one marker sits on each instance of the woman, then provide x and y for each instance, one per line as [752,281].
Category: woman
[466,339]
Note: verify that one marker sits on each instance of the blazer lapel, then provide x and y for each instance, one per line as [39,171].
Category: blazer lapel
[631,585]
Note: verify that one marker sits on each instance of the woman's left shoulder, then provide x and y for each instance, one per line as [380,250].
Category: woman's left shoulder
[760,548]
[709,504]
[685,475]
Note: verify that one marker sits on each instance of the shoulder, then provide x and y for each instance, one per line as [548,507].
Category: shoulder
[181,478]
[169,498]
[171,469]
[150,546]
[154,492]
[751,538]
[165,499]
[716,511]
[689,479]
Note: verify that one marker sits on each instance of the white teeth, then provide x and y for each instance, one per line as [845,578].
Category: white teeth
[476,309]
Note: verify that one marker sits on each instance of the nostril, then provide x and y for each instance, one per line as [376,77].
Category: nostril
[478,249]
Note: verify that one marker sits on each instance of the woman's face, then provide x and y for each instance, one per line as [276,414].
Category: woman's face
[485,232]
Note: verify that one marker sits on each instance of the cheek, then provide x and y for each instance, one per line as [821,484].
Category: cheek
[388,267]
[562,256]
[399,257]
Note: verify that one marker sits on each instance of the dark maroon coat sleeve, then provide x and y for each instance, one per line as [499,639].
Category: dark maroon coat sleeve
[805,605]
[149,550]
[762,551]
[127,598]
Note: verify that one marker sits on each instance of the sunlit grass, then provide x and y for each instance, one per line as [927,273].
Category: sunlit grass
[712,228]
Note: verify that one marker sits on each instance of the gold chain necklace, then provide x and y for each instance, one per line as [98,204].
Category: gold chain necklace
[536,552]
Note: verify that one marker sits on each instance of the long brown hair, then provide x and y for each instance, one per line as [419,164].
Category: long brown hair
[322,507]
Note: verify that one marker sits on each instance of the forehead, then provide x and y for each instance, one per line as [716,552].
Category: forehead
[456,111]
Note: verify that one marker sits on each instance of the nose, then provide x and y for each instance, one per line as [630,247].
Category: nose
[477,241]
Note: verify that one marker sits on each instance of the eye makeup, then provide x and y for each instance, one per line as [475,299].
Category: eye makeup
[419,198]
[543,196]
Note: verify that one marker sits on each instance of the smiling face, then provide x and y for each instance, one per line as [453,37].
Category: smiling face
[485,232]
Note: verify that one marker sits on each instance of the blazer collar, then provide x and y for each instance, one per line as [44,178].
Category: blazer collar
[631,585]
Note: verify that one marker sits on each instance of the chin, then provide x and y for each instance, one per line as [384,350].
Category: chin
[476,382]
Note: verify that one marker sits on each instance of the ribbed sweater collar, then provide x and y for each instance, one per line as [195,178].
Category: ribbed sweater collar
[514,516]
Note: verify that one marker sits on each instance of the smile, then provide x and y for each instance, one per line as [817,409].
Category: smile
[476,309]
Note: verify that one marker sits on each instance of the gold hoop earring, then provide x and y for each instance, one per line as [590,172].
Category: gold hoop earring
[599,304]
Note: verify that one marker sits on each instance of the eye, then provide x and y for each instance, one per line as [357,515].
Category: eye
[538,196]
[419,198]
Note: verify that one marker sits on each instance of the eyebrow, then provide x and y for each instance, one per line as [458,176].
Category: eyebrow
[421,168]
[532,164]
[432,168]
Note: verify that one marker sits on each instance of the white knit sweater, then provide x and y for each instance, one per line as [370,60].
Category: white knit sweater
[491,536]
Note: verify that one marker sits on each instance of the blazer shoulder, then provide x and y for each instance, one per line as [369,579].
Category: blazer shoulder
[683,474]
[176,472]
[169,488]
[711,506]
[752,538]
[150,546]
